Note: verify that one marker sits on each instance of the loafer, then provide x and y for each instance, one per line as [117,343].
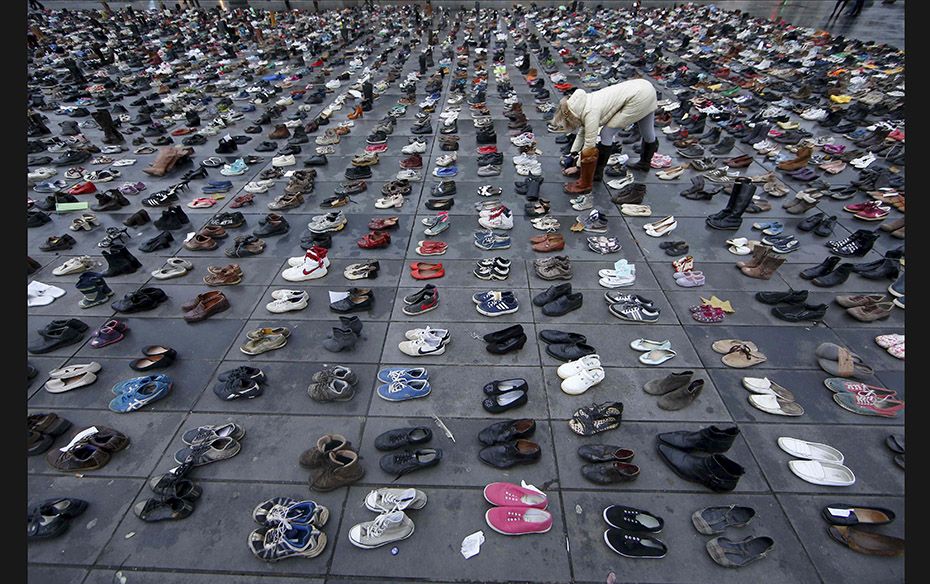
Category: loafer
[507,431]
[511,454]
[403,437]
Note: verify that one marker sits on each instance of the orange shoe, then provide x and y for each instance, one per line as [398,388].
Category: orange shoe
[356,113]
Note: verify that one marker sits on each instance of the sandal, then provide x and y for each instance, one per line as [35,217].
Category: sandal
[742,356]
[723,346]
[202,203]
[87,221]
[685,264]
[596,418]
[381,223]
[114,236]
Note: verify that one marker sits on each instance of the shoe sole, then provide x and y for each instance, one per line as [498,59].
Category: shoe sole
[478,308]
[434,307]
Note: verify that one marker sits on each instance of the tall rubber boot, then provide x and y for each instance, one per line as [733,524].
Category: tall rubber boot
[585,182]
[603,155]
[648,150]
[741,198]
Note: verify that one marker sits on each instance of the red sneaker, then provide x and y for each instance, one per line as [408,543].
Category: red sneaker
[412,161]
[489,149]
[84,188]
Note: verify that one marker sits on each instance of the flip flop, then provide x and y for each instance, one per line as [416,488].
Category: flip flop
[765,386]
[817,472]
[810,450]
[742,356]
[723,346]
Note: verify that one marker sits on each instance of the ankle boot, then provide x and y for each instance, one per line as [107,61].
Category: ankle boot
[341,340]
[716,472]
[37,127]
[193,119]
[299,136]
[822,269]
[885,269]
[732,215]
[119,261]
[834,278]
[317,456]
[767,268]
[105,121]
[94,289]
[709,439]
[342,468]
[759,252]
[352,323]
[856,245]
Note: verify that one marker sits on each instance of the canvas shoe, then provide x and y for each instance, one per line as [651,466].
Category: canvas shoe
[498,304]
[398,391]
[260,186]
[387,500]
[384,529]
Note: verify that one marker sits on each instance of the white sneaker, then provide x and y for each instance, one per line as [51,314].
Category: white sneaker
[582,202]
[417,147]
[524,139]
[299,261]
[310,269]
[286,160]
[532,169]
[409,174]
[261,186]
[446,160]
[503,220]
[288,300]
[572,368]
[864,161]
[419,333]
[524,159]
[583,381]
[617,281]
[428,344]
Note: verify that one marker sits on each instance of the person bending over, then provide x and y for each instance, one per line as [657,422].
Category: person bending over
[612,108]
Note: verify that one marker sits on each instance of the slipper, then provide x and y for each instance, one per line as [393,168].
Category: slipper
[741,246]
[843,514]
[723,346]
[596,418]
[810,450]
[818,472]
[741,356]
[771,404]
[657,356]
[841,362]
[888,341]
[765,386]
[173,268]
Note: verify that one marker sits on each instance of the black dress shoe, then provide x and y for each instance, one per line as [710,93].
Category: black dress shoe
[570,351]
[504,334]
[608,473]
[809,223]
[511,454]
[716,472]
[507,431]
[821,269]
[506,346]
[563,304]
[58,333]
[605,453]
[886,269]
[550,336]
[552,293]
[401,463]
[402,437]
[710,439]
[140,300]
[790,297]
[804,313]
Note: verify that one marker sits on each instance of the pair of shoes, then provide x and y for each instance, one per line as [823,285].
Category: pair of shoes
[392,524]
[402,384]
[558,300]
[290,529]
[715,471]
[506,340]
[517,510]
[422,342]
[333,462]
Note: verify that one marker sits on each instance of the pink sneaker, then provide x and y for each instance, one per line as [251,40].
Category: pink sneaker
[660,161]
[511,495]
[873,213]
[518,520]
[376,148]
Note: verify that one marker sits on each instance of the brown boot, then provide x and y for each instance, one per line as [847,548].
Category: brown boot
[164,162]
[802,156]
[356,113]
[759,252]
[315,457]
[585,182]
[766,268]
[632,194]
[342,468]
[280,132]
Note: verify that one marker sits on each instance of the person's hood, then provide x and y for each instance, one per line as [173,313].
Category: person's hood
[576,102]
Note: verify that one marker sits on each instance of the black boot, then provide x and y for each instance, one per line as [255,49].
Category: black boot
[193,119]
[119,261]
[140,217]
[648,151]
[341,340]
[352,323]
[710,439]
[716,472]
[822,269]
[368,91]
[731,217]
[834,278]
[110,134]
[603,155]
[366,105]
[37,127]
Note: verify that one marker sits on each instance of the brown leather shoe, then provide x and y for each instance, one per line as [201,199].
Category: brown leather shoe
[867,542]
[802,156]
[79,458]
[342,468]
[552,242]
[741,161]
[214,232]
[280,132]
[317,456]
[207,306]
[187,307]
[200,243]
[226,276]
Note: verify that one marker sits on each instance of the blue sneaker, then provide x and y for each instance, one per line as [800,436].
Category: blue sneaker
[247,108]
[132,384]
[492,241]
[445,171]
[392,374]
[482,297]
[142,395]
[498,304]
[404,390]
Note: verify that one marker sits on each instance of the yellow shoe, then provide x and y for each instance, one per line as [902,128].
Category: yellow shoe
[789,125]
[840,98]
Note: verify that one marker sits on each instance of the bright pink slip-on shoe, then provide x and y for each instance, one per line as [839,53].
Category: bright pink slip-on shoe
[518,520]
[511,495]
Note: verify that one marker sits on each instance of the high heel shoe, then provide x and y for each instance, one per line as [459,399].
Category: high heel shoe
[114,236]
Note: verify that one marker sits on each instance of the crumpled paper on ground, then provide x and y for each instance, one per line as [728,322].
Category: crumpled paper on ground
[471,545]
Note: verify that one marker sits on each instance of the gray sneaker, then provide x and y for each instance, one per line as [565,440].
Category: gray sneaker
[384,529]
[555,271]
[489,170]
[387,500]
[330,390]
[595,222]
[337,371]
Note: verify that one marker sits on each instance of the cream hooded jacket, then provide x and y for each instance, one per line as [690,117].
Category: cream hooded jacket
[616,106]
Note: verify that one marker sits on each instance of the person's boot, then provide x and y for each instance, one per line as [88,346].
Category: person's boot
[341,340]
[821,269]
[110,134]
[645,158]
[352,323]
[318,455]
[740,199]
[759,251]
[342,468]
[709,439]
[585,182]
[137,219]
[299,136]
[716,472]
[119,261]
[603,155]
[767,268]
